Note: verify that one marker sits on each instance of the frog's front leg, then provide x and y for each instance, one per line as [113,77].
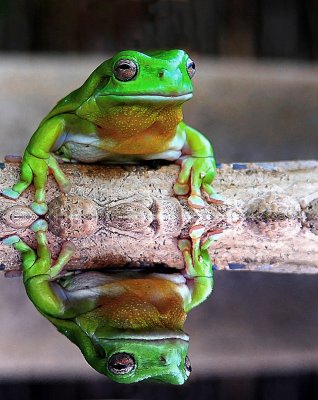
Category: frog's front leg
[38,271]
[198,266]
[197,168]
[36,162]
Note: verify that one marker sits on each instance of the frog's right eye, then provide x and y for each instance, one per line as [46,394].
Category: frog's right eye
[121,363]
[125,70]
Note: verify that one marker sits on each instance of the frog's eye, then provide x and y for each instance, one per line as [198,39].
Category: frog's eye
[187,365]
[125,70]
[190,68]
[121,363]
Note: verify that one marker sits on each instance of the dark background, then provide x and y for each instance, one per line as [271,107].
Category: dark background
[246,99]
[260,28]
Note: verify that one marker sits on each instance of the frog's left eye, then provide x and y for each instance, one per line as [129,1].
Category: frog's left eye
[121,363]
[125,70]
[190,68]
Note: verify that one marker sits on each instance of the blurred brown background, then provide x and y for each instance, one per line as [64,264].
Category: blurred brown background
[256,97]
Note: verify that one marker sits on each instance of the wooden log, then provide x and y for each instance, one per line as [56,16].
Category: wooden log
[129,215]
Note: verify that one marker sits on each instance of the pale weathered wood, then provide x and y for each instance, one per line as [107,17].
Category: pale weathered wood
[129,215]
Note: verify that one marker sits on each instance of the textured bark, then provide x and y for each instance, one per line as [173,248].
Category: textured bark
[128,215]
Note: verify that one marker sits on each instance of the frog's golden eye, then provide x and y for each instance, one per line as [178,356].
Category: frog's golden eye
[190,68]
[187,365]
[125,70]
[121,363]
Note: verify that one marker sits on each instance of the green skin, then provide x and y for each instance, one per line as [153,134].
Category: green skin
[86,126]
[159,355]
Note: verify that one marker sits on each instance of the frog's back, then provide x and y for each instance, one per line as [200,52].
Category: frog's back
[71,102]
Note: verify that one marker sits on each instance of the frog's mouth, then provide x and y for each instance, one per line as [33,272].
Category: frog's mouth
[147,98]
[154,335]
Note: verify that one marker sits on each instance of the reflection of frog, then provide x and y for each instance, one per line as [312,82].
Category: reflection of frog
[129,109]
[128,325]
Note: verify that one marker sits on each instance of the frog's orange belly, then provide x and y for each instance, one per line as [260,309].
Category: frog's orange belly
[148,142]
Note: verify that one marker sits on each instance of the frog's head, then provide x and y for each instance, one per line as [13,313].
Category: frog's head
[131,77]
[129,359]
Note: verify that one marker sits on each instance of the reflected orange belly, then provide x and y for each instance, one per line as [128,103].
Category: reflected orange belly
[144,304]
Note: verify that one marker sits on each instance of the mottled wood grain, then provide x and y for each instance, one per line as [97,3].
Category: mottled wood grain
[129,215]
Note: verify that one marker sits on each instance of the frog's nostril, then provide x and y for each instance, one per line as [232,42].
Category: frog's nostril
[161,74]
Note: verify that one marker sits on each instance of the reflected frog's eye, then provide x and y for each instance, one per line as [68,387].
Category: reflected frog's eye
[121,363]
[190,68]
[125,70]
[187,365]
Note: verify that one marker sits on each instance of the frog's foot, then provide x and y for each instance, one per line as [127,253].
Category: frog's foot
[185,247]
[26,176]
[39,225]
[10,193]
[35,169]
[66,253]
[196,176]
[209,237]
[196,259]
[10,240]
[60,177]
[39,208]
[196,201]
[210,194]
[181,189]
[28,255]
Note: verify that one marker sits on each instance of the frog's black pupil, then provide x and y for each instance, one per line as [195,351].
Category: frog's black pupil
[192,65]
[119,366]
[124,66]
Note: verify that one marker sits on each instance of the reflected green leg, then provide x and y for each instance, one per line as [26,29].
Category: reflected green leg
[198,265]
[65,255]
[28,255]
[201,285]
[38,270]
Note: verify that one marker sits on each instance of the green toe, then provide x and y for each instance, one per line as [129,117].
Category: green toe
[196,202]
[10,193]
[210,240]
[184,244]
[39,225]
[196,231]
[39,208]
[181,189]
[215,198]
[66,186]
[9,241]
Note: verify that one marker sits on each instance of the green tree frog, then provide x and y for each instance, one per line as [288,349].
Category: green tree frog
[128,324]
[129,109]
